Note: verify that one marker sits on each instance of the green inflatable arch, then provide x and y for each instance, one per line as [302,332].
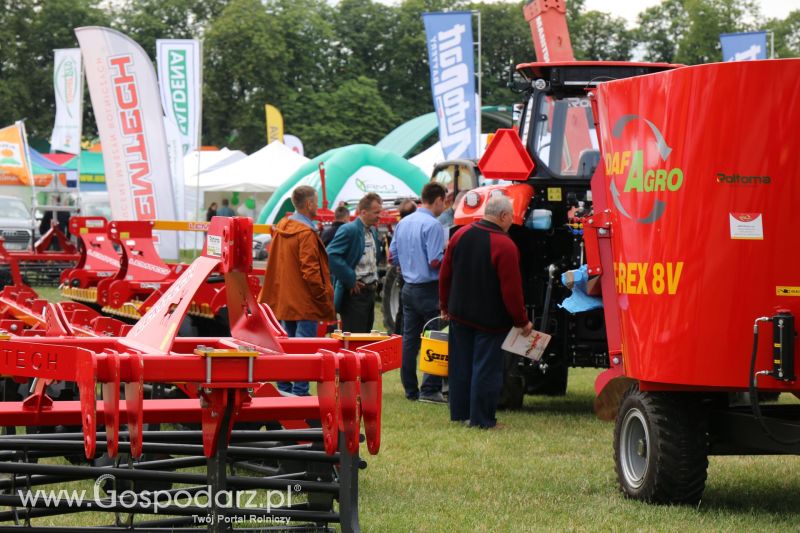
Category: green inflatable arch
[350,173]
[404,139]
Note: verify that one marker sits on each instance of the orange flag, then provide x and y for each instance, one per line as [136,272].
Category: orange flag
[14,168]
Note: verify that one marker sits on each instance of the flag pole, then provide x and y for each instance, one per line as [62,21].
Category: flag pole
[29,168]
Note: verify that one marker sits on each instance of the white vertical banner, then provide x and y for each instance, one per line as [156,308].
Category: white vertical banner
[68,85]
[180,79]
[127,108]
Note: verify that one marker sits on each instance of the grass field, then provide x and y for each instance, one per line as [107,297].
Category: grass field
[550,469]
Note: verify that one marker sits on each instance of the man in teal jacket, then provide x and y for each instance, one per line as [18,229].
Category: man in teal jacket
[353,255]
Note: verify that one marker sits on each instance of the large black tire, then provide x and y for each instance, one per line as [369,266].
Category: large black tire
[661,448]
[513,393]
[390,301]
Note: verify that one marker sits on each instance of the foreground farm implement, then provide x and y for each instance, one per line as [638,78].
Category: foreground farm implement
[127,283]
[308,453]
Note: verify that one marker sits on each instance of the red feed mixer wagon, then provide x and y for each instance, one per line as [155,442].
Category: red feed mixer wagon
[694,239]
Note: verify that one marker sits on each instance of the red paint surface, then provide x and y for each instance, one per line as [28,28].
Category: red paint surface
[716,120]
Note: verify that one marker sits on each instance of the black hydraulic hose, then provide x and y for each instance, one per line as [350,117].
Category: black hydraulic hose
[754,394]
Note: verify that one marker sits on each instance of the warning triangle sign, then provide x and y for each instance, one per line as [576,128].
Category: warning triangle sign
[505,158]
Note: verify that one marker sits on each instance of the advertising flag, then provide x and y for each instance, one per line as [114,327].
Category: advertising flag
[14,166]
[127,107]
[293,142]
[450,55]
[68,85]
[274,124]
[181,81]
[744,46]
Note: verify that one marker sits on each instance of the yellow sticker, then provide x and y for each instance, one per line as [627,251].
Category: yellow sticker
[787,291]
[554,194]
[84,231]
[124,235]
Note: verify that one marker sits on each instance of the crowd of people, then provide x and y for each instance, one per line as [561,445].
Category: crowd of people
[471,280]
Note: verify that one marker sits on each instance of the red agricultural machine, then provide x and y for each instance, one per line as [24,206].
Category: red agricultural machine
[301,471]
[127,283]
[673,188]
[41,265]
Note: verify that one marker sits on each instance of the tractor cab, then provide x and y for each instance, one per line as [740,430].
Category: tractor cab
[545,166]
[556,125]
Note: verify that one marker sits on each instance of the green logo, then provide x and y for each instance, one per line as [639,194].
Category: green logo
[380,188]
[67,72]
[178,88]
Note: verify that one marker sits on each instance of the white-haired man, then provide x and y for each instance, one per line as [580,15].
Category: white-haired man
[480,290]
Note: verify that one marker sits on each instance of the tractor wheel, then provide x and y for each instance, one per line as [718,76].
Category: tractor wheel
[513,392]
[660,448]
[390,305]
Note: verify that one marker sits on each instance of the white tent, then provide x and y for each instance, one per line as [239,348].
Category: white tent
[263,171]
[203,161]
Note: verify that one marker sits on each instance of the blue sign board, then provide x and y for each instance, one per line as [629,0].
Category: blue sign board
[452,63]
[744,46]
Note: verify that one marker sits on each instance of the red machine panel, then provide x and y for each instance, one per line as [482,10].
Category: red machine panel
[701,176]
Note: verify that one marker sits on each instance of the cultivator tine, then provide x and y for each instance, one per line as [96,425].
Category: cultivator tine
[328,393]
[86,378]
[371,390]
[215,421]
[349,398]
[111,403]
[134,402]
[246,317]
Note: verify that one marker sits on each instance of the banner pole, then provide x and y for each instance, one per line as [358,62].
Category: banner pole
[29,168]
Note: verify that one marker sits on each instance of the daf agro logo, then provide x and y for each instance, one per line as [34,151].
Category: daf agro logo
[639,177]
[736,179]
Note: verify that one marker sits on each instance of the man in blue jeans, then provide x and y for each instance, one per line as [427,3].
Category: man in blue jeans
[297,284]
[418,247]
[481,292]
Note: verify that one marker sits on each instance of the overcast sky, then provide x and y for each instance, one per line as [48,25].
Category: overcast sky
[629,9]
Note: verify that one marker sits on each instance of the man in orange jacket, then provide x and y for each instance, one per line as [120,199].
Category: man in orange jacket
[297,285]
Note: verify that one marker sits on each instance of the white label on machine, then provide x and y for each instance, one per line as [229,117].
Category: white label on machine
[214,245]
[531,346]
[746,226]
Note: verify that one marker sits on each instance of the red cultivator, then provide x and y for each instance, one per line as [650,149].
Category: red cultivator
[41,266]
[129,283]
[98,259]
[221,386]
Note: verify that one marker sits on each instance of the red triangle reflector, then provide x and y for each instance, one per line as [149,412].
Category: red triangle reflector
[505,158]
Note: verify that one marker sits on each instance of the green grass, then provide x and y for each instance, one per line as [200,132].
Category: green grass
[550,469]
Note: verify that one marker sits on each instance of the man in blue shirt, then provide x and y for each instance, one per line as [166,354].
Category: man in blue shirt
[418,247]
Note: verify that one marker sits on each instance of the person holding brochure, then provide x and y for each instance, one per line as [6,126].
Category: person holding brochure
[480,291]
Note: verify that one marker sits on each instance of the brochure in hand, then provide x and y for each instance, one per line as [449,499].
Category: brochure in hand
[531,346]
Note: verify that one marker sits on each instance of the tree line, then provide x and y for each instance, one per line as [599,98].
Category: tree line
[341,73]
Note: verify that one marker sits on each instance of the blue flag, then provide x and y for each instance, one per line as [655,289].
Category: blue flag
[450,55]
[744,46]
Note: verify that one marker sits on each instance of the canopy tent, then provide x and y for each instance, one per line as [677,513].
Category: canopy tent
[93,173]
[207,160]
[51,176]
[256,175]
[262,171]
[350,173]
